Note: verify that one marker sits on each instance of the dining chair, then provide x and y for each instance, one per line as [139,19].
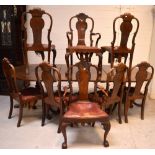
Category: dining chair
[113,93]
[139,88]
[83,110]
[82,40]
[47,78]
[26,97]
[39,23]
[125,28]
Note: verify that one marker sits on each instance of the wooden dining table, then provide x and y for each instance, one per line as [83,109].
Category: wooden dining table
[28,73]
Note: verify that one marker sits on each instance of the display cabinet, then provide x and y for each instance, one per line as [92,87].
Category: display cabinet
[10,38]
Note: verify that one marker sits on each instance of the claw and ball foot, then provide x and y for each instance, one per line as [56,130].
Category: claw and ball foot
[106,143]
[64,146]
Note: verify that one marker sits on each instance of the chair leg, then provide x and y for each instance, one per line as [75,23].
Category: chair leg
[34,105]
[43,113]
[47,107]
[63,129]
[100,62]
[142,107]
[60,124]
[114,107]
[112,60]
[127,105]
[130,60]
[93,124]
[110,109]
[119,113]
[106,126]
[11,107]
[59,128]
[20,114]
[67,61]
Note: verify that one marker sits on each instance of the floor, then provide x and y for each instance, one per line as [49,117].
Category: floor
[135,134]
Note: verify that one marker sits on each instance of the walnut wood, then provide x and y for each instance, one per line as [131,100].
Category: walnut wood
[83,110]
[26,97]
[122,50]
[143,78]
[37,24]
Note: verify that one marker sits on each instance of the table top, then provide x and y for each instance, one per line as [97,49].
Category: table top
[28,74]
[22,73]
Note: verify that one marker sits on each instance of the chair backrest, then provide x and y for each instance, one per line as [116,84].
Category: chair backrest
[83,74]
[49,75]
[10,75]
[80,24]
[37,24]
[125,30]
[144,73]
[117,76]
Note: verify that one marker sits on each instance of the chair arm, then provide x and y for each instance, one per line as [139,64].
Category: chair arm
[99,37]
[102,89]
[69,38]
[65,88]
[112,44]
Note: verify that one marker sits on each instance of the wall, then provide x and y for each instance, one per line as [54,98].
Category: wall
[103,17]
[152,57]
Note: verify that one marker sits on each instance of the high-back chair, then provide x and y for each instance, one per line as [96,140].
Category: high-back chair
[82,40]
[83,110]
[25,97]
[142,80]
[36,23]
[47,76]
[113,93]
[125,28]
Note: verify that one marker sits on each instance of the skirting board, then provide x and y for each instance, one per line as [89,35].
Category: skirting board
[152,96]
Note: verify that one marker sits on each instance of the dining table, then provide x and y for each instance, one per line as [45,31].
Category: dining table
[27,73]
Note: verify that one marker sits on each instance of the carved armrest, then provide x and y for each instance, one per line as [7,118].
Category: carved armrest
[99,37]
[112,43]
[69,38]
[65,88]
[102,89]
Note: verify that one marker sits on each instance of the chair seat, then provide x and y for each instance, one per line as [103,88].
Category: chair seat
[84,110]
[83,49]
[117,49]
[28,94]
[39,47]
[131,96]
